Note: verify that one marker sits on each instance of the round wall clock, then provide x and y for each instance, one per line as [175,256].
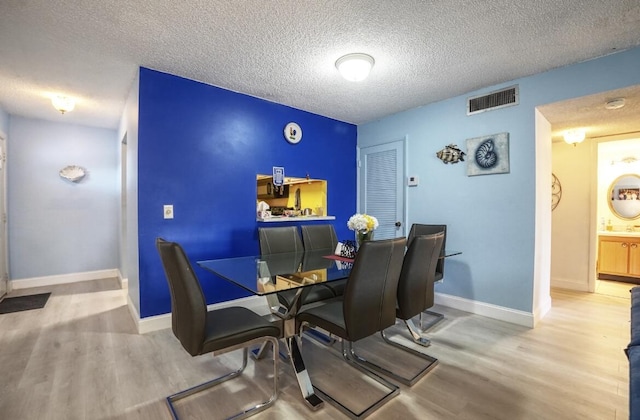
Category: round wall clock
[293,133]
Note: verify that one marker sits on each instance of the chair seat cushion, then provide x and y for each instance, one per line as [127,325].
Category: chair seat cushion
[337,286]
[328,316]
[228,327]
[310,294]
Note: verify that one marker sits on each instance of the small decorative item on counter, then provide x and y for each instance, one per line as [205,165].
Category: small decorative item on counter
[609,225]
[363,225]
[262,210]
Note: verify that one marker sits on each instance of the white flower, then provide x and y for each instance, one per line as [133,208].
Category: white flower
[362,222]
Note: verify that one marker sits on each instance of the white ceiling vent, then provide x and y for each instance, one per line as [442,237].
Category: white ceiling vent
[494,100]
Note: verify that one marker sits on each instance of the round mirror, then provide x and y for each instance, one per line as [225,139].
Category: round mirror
[624,196]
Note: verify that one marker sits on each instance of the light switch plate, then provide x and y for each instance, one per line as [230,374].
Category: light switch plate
[168,211]
[412,180]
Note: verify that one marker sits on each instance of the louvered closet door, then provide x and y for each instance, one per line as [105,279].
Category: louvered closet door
[382,192]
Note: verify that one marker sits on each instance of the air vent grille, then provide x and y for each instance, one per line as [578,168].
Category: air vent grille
[494,100]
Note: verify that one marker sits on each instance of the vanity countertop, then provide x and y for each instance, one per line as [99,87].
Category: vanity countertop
[618,233]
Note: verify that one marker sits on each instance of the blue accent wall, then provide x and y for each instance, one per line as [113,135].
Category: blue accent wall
[200,148]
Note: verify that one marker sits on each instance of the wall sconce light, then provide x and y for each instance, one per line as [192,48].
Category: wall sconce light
[63,103]
[574,136]
[355,67]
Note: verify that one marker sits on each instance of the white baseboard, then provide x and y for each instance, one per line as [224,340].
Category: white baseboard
[501,313]
[569,285]
[541,310]
[63,279]
[145,325]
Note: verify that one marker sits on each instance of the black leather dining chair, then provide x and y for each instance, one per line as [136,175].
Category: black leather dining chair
[323,237]
[278,240]
[319,237]
[367,307]
[220,331]
[415,294]
[425,229]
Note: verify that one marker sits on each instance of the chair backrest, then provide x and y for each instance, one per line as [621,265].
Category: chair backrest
[415,287]
[188,306]
[421,229]
[370,295]
[319,237]
[277,240]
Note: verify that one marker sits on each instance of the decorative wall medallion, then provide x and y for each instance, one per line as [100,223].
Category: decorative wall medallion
[488,155]
[556,191]
[73,173]
[293,133]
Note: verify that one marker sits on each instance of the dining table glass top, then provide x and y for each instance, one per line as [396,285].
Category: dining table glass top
[266,274]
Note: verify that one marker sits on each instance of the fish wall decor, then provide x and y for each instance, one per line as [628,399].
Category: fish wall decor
[451,154]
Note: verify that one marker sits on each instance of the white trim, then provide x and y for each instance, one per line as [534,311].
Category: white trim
[145,325]
[63,279]
[501,313]
[569,284]
[541,311]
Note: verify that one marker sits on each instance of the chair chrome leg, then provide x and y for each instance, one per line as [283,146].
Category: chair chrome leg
[431,362]
[418,338]
[209,384]
[393,388]
[321,337]
[438,317]
[259,353]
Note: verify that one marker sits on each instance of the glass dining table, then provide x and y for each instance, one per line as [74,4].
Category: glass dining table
[269,275]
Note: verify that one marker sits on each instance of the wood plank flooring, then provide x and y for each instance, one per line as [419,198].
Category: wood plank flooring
[81,358]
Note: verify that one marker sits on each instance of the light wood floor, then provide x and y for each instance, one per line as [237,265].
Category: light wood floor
[80,358]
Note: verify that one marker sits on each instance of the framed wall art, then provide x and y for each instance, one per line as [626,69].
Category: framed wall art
[488,155]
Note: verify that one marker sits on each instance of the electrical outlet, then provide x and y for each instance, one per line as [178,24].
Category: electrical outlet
[168,211]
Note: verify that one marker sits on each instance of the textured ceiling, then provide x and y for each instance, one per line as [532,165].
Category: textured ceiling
[284,51]
[588,113]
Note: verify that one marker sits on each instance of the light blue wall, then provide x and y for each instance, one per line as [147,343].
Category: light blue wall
[490,218]
[56,226]
[4,121]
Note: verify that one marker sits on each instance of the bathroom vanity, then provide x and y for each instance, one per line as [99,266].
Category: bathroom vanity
[619,255]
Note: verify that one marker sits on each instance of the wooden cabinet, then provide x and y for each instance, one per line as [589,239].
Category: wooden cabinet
[619,256]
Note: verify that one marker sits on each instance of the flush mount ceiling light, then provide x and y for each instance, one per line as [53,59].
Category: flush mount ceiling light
[63,103]
[616,103]
[574,136]
[355,67]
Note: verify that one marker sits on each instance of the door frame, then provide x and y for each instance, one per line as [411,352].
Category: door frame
[4,276]
[402,142]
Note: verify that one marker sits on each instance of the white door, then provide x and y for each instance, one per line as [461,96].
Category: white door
[382,190]
[4,265]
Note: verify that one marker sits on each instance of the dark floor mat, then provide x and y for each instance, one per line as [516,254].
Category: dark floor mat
[23,303]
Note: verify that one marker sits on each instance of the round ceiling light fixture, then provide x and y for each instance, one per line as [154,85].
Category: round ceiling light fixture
[616,103]
[355,67]
[574,136]
[63,103]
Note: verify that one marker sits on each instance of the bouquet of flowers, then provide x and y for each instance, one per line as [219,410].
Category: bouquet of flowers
[363,225]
